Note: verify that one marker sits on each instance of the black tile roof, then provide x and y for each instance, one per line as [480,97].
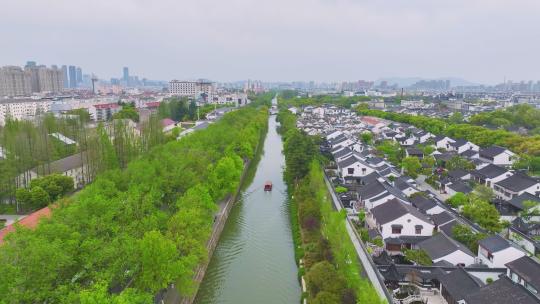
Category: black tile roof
[442,218]
[502,291]
[490,171]
[457,173]
[517,201]
[528,269]
[459,283]
[459,186]
[448,228]
[371,190]
[441,245]
[494,243]
[394,209]
[517,182]
[422,203]
[491,152]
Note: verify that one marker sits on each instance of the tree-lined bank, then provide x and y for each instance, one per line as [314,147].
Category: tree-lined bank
[132,232]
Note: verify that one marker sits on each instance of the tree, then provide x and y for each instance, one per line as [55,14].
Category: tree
[324,277]
[419,257]
[159,264]
[39,197]
[484,193]
[483,213]
[456,118]
[457,200]
[127,112]
[466,236]
[411,165]
[530,209]
[458,162]
[325,297]
[366,137]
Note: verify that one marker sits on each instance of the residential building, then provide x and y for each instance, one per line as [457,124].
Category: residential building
[497,156]
[14,81]
[22,109]
[515,185]
[103,112]
[192,88]
[490,174]
[440,247]
[495,251]
[501,291]
[72,76]
[456,285]
[526,272]
[397,220]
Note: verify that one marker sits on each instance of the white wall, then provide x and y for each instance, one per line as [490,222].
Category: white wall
[408,221]
[358,167]
[457,257]
[500,258]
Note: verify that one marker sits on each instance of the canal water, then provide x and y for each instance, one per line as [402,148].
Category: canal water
[254,259]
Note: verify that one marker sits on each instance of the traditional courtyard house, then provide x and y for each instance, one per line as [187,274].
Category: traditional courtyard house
[425,205]
[355,167]
[456,285]
[495,251]
[498,156]
[490,174]
[501,291]
[516,185]
[443,142]
[462,145]
[440,247]
[398,220]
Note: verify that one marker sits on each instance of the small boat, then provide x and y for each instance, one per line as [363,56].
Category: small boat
[268,186]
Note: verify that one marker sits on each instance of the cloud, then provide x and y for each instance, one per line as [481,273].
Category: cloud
[278,40]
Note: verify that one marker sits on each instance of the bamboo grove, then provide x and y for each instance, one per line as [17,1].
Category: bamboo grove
[132,232]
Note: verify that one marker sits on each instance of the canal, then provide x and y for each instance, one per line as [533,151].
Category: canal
[254,259]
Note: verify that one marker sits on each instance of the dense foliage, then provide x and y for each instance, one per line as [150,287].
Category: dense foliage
[44,190]
[528,147]
[134,231]
[524,115]
[30,146]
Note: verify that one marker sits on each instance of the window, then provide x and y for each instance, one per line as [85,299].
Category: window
[363,170]
[418,229]
[396,230]
[350,170]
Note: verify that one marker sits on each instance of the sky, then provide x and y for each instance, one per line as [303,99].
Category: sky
[483,41]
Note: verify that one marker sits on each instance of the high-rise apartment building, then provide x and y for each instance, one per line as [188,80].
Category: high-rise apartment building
[50,79]
[66,76]
[72,77]
[125,75]
[14,81]
[79,76]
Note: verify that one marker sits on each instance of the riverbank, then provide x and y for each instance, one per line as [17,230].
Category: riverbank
[254,261]
[173,297]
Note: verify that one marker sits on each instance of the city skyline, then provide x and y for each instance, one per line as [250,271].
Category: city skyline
[278,40]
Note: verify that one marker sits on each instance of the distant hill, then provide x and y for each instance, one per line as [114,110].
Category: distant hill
[408,81]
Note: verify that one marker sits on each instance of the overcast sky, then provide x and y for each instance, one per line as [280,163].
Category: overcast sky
[479,40]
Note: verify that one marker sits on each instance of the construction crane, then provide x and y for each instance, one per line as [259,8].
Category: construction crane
[94,80]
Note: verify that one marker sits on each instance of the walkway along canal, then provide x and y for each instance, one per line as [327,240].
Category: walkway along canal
[254,259]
